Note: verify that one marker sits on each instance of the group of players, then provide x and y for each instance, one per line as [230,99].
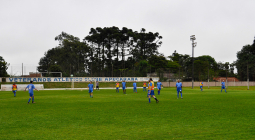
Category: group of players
[223,86]
[30,88]
[150,86]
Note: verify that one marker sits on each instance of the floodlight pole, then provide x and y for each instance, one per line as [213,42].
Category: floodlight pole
[247,76]
[22,69]
[192,38]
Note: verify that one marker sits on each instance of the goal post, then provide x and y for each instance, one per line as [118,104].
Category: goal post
[72,82]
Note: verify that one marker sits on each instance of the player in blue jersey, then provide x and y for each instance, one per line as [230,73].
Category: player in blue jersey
[135,87]
[223,86]
[31,88]
[124,87]
[91,88]
[201,85]
[159,86]
[179,89]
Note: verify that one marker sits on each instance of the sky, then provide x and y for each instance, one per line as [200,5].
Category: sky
[221,27]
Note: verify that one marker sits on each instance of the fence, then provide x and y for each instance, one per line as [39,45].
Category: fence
[210,84]
[21,69]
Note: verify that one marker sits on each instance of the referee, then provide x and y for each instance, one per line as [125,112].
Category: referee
[97,85]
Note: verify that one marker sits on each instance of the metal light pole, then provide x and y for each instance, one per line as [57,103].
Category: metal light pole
[247,76]
[112,69]
[194,44]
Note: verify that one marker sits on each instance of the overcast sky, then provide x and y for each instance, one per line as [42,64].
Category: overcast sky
[222,27]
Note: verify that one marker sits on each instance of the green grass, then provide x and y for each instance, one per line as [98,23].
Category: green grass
[109,115]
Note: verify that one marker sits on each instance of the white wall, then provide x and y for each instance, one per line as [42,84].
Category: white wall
[20,87]
[78,79]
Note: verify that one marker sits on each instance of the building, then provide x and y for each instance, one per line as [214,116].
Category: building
[33,74]
[230,79]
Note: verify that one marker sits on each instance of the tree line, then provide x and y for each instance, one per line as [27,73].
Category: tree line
[108,51]
[111,51]
[245,62]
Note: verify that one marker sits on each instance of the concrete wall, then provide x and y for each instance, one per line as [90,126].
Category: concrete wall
[20,87]
[79,79]
[196,84]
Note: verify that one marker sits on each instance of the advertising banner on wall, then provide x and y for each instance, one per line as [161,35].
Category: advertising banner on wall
[80,79]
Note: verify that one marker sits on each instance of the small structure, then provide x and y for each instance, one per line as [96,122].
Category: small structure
[33,74]
[230,79]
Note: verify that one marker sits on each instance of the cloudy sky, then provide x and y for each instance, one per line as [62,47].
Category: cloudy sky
[222,27]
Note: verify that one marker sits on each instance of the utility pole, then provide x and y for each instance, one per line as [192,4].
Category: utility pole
[226,65]
[247,77]
[179,68]
[208,74]
[134,72]
[150,70]
[194,44]
[123,53]
[22,69]
[179,73]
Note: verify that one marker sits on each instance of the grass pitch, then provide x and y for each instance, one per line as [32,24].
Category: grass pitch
[109,115]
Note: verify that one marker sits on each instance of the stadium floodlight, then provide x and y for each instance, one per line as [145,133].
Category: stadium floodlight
[194,44]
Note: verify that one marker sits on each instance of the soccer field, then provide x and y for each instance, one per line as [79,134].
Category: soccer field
[73,114]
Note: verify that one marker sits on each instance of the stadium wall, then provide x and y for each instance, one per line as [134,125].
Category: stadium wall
[211,84]
[20,87]
[79,79]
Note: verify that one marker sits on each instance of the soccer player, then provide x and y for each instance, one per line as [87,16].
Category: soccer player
[201,85]
[117,87]
[14,89]
[91,88]
[223,86]
[151,92]
[31,88]
[179,89]
[144,86]
[135,88]
[124,87]
[97,85]
[159,86]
